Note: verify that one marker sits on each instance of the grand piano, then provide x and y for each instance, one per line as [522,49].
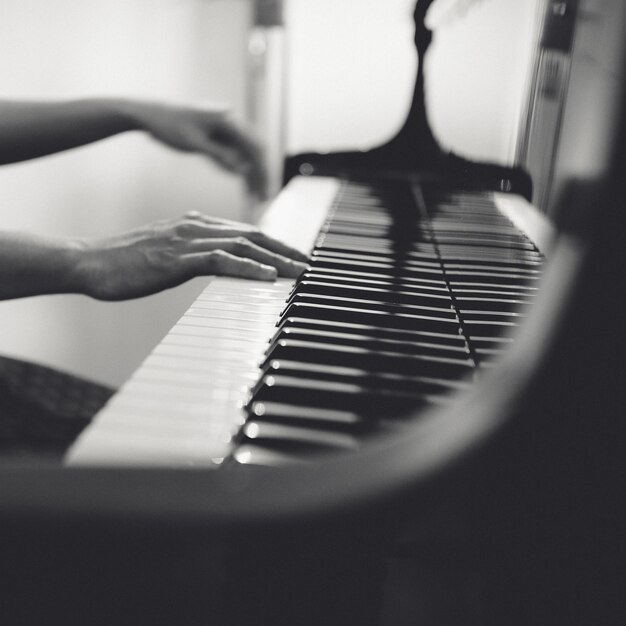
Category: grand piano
[424,428]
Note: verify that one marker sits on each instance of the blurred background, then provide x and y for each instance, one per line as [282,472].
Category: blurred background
[303,75]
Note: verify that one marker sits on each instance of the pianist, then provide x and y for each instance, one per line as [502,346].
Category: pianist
[130,265]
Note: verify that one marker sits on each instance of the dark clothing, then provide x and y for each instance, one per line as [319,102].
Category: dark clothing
[43,410]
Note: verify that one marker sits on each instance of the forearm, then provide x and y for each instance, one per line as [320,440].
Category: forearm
[33,129]
[32,265]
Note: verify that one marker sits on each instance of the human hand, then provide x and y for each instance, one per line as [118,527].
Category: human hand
[169,252]
[206,131]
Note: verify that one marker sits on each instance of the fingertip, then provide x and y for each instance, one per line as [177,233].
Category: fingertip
[257,189]
[268,272]
[301,257]
[294,269]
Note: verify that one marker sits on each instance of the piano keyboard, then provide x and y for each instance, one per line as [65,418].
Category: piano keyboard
[409,295]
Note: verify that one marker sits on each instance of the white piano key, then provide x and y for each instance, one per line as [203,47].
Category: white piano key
[109,449]
[209,332]
[205,321]
[174,339]
[241,316]
[184,402]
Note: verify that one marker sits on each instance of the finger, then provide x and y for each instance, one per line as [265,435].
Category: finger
[209,227]
[235,154]
[241,247]
[261,239]
[209,219]
[223,263]
[250,154]
[264,241]
[225,157]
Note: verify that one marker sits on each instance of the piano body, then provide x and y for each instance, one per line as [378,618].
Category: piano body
[426,427]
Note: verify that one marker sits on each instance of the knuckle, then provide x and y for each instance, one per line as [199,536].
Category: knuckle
[184,229]
[241,244]
[216,260]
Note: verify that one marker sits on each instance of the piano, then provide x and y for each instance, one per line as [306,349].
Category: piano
[410,295]
[425,427]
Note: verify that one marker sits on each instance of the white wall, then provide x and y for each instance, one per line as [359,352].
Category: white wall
[352,63]
[350,70]
[477,72]
[174,49]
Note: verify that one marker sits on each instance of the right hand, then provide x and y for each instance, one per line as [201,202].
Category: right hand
[208,131]
[169,252]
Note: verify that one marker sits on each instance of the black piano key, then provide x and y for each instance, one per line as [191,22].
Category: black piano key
[493,266]
[486,227]
[487,317]
[478,328]
[369,214]
[331,419]
[371,404]
[488,353]
[456,285]
[493,304]
[371,317]
[296,438]
[499,302]
[248,454]
[458,253]
[391,268]
[382,282]
[453,338]
[494,243]
[375,256]
[392,306]
[424,384]
[369,360]
[525,293]
[429,345]
[415,287]
[363,230]
[384,245]
[487,290]
[497,278]
[487,345]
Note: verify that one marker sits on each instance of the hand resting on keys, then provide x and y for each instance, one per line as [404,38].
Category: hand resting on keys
[154,257]
[142,261]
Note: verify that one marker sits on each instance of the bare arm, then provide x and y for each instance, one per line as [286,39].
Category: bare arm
[142,261]
[33,129]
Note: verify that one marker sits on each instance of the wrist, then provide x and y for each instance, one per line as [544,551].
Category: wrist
[127,112]
[135,114]
[77,267]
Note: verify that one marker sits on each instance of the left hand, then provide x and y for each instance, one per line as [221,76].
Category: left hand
[169,252]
